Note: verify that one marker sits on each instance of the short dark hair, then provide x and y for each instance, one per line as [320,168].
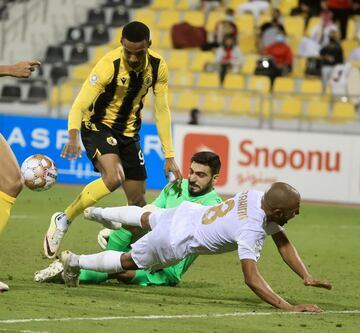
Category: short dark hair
[208,158]
[136,31]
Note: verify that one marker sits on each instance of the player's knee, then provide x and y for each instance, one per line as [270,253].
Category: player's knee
[113,180]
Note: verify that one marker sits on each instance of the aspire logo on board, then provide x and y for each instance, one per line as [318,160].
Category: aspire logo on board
[219,144]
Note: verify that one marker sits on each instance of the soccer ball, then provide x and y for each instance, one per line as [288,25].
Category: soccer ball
[39,172]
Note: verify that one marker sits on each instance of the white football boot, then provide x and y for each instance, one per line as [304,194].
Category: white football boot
[54,235]
[3,287]
[52,273]
[70,274]
[95,214]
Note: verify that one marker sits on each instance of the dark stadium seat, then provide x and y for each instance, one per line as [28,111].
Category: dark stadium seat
[58,71]
[75,35]
[54,54]
[95,16]
[37,93]
[120,17]
[10,93]
[78,54]
[139,3]
[114,3]
[99,35]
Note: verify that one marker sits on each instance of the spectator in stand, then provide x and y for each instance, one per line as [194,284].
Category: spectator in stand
[308,8]
[331,55]
[229,57]
[282,56]
[355,7]
[268,31]
[255,7]
[341,10]
[319,36]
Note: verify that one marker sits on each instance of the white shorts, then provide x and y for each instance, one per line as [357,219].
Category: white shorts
[154,250]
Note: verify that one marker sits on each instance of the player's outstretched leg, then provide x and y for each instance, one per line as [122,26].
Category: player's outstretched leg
[52,273]
[59,224]
[3,287]
[71,272]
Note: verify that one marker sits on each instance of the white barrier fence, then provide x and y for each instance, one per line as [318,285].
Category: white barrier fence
[323,167]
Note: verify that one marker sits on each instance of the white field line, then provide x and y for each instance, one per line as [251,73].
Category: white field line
[210,315]
[21,331]
[14,216]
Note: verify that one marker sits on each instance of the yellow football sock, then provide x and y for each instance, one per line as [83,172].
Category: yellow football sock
[6,202]
[90,194]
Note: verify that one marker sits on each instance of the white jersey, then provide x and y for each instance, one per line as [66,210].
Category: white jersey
[238,222]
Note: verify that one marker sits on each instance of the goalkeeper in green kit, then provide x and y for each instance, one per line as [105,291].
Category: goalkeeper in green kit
[199,187]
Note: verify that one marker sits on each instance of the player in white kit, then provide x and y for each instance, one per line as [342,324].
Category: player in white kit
[241,223]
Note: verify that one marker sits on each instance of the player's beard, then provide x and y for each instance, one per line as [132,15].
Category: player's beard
[200,192]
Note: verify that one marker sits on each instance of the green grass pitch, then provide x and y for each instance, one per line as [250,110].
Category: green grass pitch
[212,296]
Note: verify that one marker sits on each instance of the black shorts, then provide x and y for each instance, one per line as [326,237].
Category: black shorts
[105,141]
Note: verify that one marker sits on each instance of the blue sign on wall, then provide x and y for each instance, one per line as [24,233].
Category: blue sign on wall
[29,135]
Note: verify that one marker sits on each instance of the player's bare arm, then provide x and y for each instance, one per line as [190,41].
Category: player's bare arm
[171,166]
[21,69]
[72,150]
[291,257]
[260,287]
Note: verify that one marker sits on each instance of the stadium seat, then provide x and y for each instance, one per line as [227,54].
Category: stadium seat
[284,84]
[208,80]
[290,108]
[116,38]
[37,93]
[10,93]
[294,25]
[287,5]
[75,35]
[95,16]
[242,104]
[168,18]
[299,65]
[313,22]
[234,81]
[213,18]
[194,17]
[187,100]
[58,73]
[99,52]
[166,41]
[54,54]
[351,29]
[178,59]
[99,35]
[146,16]
[114,3]
[348,46]
[259,83]
[183,79]
[200,59]
[249,64]
[343,112]
[245,23]
[311,86]
[78,54]
[81,72]
[163,4]
[120,16]
[213,103]
[247,43]
[316,110]
[183,5]
[61,94]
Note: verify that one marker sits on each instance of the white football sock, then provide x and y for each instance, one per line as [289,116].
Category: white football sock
[107,261]
[129,215]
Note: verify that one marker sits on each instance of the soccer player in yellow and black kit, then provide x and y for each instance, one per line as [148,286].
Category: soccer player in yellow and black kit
[107,111]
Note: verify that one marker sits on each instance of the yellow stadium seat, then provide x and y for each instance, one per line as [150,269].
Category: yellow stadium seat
[311,86]
[155,37]
[162,4]
[356,63]
[264,17]
[287,5]
[242,104]
[290,108]
[178,59]
[234,81]
[165,40]
[259,83]
[213,18]
[245,23]
[208,80]
[249,64]
[81,72]
[343,112]
[351,29]
[299,65]
[294,25]
[62,94]
[313,22]
[316,110]
[187,100]
[99,52]
[183,79]
[235,3]
[194,17]
[200,59]
[146,16]
[168,18]
[348,46]
[116,39]
[214,103]
[247,43]
[284,84]
[183,5]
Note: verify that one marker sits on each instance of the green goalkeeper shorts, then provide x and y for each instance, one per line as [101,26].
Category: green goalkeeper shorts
[169,276]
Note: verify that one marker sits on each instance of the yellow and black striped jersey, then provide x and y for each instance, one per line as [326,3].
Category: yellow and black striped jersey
[114,94]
